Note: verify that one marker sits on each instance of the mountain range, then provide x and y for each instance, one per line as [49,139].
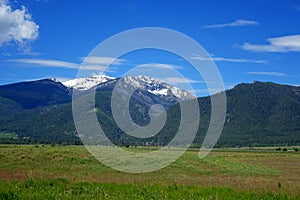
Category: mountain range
[258,113]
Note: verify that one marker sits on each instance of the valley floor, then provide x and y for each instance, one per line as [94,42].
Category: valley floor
[66,172]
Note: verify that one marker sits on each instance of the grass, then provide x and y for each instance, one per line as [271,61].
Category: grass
[230,165]
[31,172]
[63,189]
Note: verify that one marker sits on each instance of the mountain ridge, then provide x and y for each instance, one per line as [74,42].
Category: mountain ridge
[258,113]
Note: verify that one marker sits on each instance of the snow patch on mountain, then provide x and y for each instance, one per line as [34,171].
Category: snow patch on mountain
[142,83]
[157,87]
[87,83]
[163,92]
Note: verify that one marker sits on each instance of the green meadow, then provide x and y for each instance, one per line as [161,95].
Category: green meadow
[71,172]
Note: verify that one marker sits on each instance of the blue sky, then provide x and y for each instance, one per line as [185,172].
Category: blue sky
[248,40]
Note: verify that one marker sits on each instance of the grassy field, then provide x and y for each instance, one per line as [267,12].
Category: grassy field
[70,172]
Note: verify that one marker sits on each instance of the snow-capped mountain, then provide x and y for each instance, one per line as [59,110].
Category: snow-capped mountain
[156,87]
[147,89]
[145,83]
[87,83]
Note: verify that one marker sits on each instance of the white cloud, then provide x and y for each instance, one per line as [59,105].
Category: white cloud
[279,44]
[16,25]
[92,63]
[97,67]
[95,60]
[47,63]
[236,23]
[234,60]
[159,66]
[178,80]
[268,73]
